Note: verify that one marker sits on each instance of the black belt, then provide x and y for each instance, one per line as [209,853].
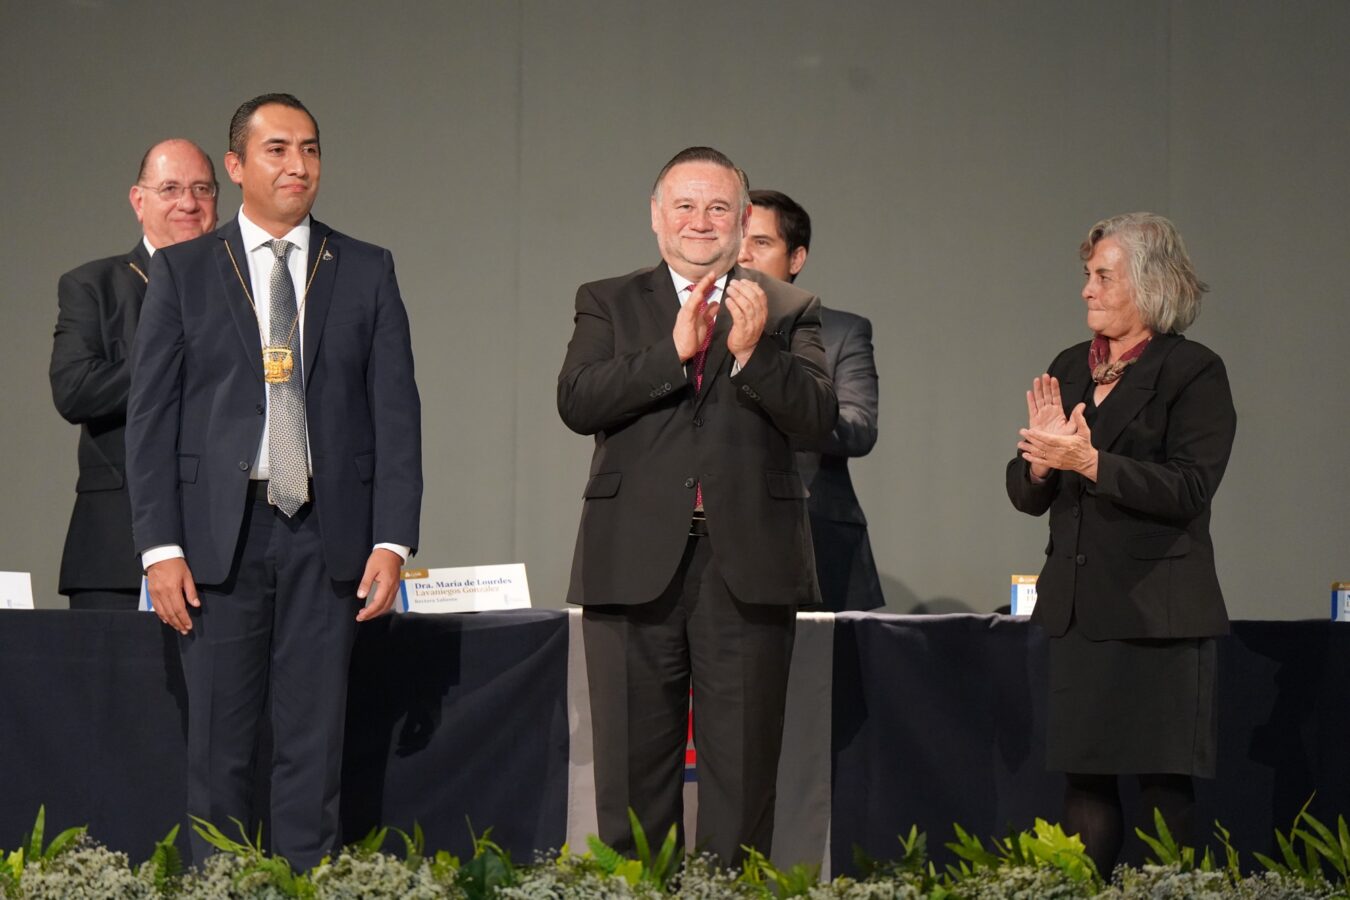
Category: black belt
[257,490]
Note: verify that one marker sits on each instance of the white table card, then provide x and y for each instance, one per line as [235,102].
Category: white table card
[16,590]
[464,589]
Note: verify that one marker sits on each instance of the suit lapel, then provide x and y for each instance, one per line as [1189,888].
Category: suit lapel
[320,296]
[661,303]
[232,263]
[1136,389]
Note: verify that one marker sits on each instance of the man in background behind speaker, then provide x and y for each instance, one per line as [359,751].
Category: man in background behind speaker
[777,241]
[174,198]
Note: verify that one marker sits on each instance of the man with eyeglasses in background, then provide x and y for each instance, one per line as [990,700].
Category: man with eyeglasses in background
[174,199]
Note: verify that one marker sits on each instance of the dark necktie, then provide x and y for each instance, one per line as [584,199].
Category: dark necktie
[288,488]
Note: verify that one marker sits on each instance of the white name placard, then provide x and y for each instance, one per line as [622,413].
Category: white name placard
[1340,601]
[464,589]
[16,590]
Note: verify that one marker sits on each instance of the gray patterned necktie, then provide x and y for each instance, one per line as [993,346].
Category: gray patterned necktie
[288,489]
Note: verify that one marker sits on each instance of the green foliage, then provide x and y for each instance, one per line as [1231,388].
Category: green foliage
[1167,852]
[489,870]
[256,865]
[1312,863]
[32,849]
[1046,846]
[646,870]
[32,852]
[1231,866]
[1319,843]
[758,872]
[373,842]
[164,868]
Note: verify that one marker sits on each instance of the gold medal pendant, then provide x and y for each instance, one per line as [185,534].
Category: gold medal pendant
[277,364]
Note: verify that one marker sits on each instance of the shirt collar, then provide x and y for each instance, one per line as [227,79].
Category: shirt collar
[149,247]
[682,285]
[254,237]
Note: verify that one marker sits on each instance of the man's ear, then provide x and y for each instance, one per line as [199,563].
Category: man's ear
[796,261]
[137,198]
[234,165]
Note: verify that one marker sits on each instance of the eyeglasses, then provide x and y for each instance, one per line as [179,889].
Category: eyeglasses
[173,192]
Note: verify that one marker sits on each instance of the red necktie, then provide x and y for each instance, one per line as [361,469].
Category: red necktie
[700,361]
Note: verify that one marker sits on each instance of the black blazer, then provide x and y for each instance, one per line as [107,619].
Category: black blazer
[99,306]
[1131,556]
[197,401]
[623,382]
[844,561]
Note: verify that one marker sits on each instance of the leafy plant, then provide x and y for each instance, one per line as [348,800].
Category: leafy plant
[31,851]
[164,868]
[655,871]
[1318,843]
[490,869]
[256,863]
[415,845]
[1167,852]
[1046,846]
[760,873]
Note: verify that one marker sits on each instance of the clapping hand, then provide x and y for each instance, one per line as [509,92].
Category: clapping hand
[1051,441]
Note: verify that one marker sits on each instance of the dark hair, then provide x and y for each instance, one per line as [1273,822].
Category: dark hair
[794,224]
[145,160]
[704,155]
[243,118]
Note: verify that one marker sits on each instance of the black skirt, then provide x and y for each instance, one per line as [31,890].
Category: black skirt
[1137,706]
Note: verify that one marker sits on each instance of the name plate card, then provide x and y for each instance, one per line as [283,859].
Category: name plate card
[1340,601]
[16,590]
[1023,597]
[464,589]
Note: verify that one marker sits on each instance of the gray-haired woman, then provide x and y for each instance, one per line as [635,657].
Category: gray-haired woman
[1128,436]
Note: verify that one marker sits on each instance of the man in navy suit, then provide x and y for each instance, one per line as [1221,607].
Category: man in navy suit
[274,459]
[174,199]
[776,243]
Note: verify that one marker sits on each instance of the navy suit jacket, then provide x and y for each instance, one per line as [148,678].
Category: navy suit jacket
[198,398]
[1130,556]
[655,439]
[100,304]
[844,561]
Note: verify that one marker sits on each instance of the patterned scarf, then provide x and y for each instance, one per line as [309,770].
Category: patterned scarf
[1099,354]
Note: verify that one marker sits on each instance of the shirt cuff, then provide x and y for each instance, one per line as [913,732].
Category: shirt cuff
[161,553]
[403,550]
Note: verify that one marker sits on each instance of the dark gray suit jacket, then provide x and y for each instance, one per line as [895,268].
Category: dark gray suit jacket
[844,562]
[99,307]
[197,402]
[655,438]
[1130,556]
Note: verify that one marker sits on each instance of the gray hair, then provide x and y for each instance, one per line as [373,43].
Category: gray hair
[1166,289]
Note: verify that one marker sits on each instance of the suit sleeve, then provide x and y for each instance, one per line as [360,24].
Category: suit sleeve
[599,389]
[1201,425]
[786,377]
[152,412]
[1026,496]
[855,385]
[396,409]
[86,384]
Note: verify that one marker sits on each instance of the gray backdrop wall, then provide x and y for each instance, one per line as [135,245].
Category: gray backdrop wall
[952,155]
